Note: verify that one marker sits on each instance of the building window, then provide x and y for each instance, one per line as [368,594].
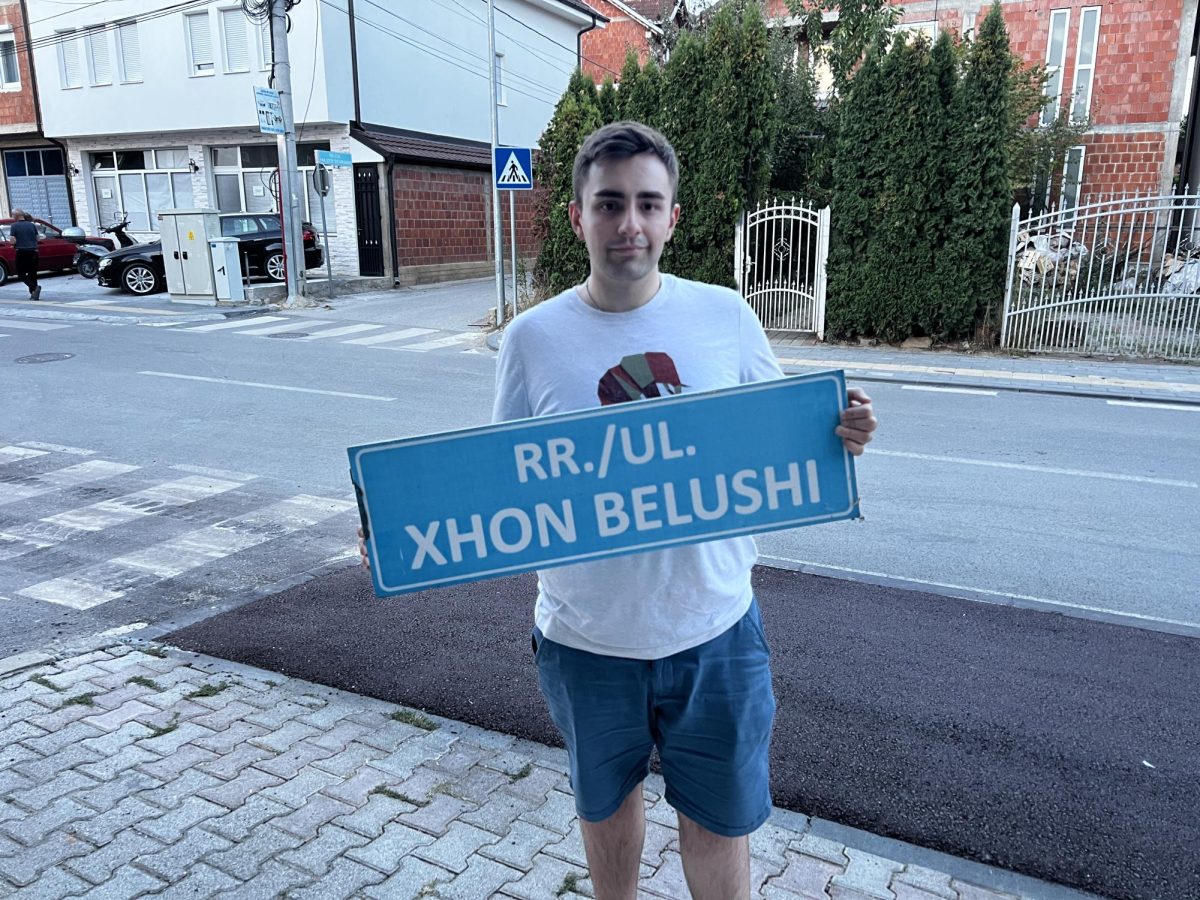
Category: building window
[1071,184]
[1056,58]
[99,59]
[140,184]
[233,33]
[10,73]
[130,50]
[1085,63]
[246,180]
[199,41]
[69,72]
[501,93]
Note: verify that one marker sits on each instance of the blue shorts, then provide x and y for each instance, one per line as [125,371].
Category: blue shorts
[708,710]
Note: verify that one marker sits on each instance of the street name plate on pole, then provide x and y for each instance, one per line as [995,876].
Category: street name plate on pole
[270,110]
[334,159]
[493,501]
[514,168]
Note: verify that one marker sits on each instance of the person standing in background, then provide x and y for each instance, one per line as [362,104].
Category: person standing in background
[24,236]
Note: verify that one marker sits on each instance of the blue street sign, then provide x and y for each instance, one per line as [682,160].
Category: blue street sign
[334,159]
[487,502]
[270,110]
[512,168]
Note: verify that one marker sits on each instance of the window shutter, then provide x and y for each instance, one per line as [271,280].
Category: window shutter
[101,58]
[264,44]
[131,52]
[68,51]
[200,43]
[237,48]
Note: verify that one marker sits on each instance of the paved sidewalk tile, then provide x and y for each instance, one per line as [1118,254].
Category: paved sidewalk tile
[346,879]
[175,862]
[246,858]
[453,849]
[271,879]
[415,878]
[24,866]
[545,878]
[371,819]
[202,882]
[387,851]
[520,845]
[968,891]
[318,855]
[127,884]
[805,876]
[54,884]
[98,867]
[306,821]
[239,824]
[482,878]
[867,874]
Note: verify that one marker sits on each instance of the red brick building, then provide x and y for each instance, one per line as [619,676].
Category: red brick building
[1124,63]
[632,25]
[33,175]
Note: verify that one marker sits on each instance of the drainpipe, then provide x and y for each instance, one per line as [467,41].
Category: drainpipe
[37,108]
[354,63]
[579,41]
[391,189]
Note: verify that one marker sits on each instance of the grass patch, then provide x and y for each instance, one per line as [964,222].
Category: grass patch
[208,690]
[45,682]
[395,795]
[429,890]
[569,885]
[524,773]
[156,652]
[143,681]
[82,699]
[408,717]
[160,730]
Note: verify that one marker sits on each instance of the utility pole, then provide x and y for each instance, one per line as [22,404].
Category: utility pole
[289,182]
[497,228]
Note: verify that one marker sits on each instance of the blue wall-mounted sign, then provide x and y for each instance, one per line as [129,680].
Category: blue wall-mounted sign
[487,502]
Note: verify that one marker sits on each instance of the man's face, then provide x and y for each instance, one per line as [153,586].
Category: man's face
[626,216]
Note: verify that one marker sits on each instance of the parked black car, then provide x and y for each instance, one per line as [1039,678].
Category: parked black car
[139,269]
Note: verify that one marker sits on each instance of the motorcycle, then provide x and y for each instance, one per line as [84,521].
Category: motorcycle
[88,256]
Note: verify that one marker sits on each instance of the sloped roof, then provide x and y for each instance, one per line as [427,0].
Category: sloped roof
[414,146]
[657,11]
[582,7]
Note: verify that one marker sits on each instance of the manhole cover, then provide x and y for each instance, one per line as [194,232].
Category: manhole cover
[289,334]
[44,357]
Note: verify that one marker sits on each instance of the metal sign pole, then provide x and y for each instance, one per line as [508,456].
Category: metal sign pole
[512,228]
[326,174]
[497,221]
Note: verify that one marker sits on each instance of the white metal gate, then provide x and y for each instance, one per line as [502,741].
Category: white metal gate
[1117,277]
[780,252]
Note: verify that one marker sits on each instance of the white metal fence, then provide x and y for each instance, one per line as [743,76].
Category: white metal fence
[1118,276]
[780,253]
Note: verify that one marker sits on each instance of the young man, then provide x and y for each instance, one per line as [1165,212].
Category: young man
[24,236]
[665,648]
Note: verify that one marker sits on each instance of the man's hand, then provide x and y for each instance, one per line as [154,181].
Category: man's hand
[858,422]
[362,548]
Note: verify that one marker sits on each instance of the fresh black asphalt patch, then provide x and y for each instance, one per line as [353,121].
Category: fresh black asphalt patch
[1060,748]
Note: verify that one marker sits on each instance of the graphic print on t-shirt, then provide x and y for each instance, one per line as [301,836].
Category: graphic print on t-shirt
[638,376]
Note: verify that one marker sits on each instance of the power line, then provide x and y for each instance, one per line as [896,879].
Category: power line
[73,34]
[431,51]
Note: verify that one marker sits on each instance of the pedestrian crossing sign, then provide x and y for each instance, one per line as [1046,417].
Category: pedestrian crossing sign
[512,167]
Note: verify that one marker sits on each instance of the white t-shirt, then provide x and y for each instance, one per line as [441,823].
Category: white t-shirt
[554,359]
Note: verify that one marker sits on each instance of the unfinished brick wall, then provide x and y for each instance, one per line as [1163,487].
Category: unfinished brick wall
[444,215]
[604,49]
[17,112]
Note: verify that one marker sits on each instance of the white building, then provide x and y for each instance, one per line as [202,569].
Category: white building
[155,105]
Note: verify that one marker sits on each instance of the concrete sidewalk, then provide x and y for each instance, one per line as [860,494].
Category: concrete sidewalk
[128,769]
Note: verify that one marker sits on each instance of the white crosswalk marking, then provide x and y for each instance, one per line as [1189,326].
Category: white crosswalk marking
[339,332]
[390,336]
[58,448]
[92,302]
[21,324]
[52,530]
[61,479]
[233,323]
[104,582]
[14,454]
[438,343]
[291,325]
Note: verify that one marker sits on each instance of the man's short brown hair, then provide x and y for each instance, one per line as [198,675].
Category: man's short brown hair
[621,140]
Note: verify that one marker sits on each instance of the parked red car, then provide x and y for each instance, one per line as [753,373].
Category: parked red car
[55,252]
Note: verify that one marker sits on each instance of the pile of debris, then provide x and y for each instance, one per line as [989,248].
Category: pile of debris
[1039,255]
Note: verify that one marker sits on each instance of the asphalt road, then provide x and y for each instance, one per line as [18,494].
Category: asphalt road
[1056,747]
[1068,502]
